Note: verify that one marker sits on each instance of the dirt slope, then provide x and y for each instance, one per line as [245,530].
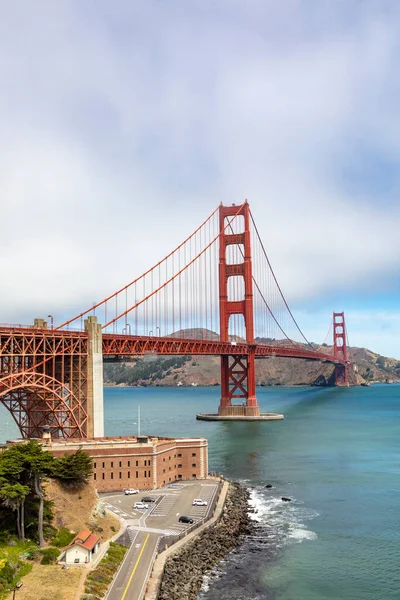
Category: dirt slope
[77,509]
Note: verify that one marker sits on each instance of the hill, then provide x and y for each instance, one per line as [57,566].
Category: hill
[205,370]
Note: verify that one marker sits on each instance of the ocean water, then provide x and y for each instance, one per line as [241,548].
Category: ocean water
[336,454]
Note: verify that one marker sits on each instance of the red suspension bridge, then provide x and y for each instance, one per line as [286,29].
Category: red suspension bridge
[218,279]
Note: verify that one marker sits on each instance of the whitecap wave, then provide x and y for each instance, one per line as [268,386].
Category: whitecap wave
[298,534]
[284,520]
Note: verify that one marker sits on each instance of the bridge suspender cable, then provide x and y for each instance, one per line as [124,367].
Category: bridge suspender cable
[278,286]
[115,294]
[263,298]
[173,277]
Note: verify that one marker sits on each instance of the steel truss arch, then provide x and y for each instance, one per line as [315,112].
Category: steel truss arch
[37,401]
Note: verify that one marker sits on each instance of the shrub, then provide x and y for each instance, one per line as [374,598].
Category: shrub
[49,531]
[50,556]
[33,553]
[63,538]
[98,580]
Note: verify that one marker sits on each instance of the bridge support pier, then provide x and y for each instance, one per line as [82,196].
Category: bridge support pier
[238,382]
[238,375]
[95,399]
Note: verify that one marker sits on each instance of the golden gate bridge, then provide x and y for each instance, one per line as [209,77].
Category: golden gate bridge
[219,279]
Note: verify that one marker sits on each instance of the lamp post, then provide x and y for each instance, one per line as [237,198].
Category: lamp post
[51,320]
[159,331]
[150,332]
[17,587]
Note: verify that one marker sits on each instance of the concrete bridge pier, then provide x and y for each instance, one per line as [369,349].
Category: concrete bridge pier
[95,399]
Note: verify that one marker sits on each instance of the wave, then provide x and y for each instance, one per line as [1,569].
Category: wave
[285,521]
[276,524]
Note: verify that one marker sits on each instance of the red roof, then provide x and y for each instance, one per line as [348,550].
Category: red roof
[86,539]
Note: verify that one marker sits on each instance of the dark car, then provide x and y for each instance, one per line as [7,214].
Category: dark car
[183,519]
[148,499]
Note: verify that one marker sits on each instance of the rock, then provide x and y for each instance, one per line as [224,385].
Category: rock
[268,486]
[286,499]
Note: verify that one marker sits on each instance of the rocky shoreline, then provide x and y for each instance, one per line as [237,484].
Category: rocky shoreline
[184,571]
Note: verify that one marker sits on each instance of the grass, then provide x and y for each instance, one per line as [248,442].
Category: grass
[15,563]
[17,551]
[49,582]
[12,564]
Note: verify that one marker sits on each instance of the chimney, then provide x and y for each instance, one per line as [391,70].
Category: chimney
[46,436]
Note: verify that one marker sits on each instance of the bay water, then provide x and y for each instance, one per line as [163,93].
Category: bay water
[336,455]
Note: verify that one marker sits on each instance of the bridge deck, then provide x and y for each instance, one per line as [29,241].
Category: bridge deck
[115,345]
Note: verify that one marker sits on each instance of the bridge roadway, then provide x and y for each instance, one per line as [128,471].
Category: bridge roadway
[30,341]
[145,528]
[118,345]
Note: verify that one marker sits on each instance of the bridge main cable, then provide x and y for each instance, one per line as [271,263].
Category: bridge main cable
[170,279]
[95,306]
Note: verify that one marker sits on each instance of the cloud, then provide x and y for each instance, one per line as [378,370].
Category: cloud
[123,126]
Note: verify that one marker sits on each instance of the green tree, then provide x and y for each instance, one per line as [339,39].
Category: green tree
[77,466]
[37,464]
[40,464]
[13,496]
[13,488]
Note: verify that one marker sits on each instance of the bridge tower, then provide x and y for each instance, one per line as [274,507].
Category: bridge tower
[340,349]
[238,378]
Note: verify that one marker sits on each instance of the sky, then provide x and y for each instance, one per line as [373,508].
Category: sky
[124,124]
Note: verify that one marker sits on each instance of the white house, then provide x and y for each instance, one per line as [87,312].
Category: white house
[82,548]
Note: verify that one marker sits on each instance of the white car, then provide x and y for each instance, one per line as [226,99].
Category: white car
[199,502]
[141,505]
[130,491]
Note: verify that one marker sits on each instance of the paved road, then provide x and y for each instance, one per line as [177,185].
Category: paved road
[145,527]
[132,577]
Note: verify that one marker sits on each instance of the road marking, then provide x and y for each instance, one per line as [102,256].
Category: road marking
[135,567]
[154,530]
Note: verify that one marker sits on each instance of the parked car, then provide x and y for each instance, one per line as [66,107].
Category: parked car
[183,519]
[148,499]
[130,491]
[199,502]
[141,505]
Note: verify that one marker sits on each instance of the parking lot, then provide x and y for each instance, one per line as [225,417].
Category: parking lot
[169,504]
[146,526]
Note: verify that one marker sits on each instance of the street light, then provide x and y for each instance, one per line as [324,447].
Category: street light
[17,587]
[159,331]
[51,320]
[150,332]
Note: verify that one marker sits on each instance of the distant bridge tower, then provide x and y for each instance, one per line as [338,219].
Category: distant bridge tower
[238,378]
[340,349]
